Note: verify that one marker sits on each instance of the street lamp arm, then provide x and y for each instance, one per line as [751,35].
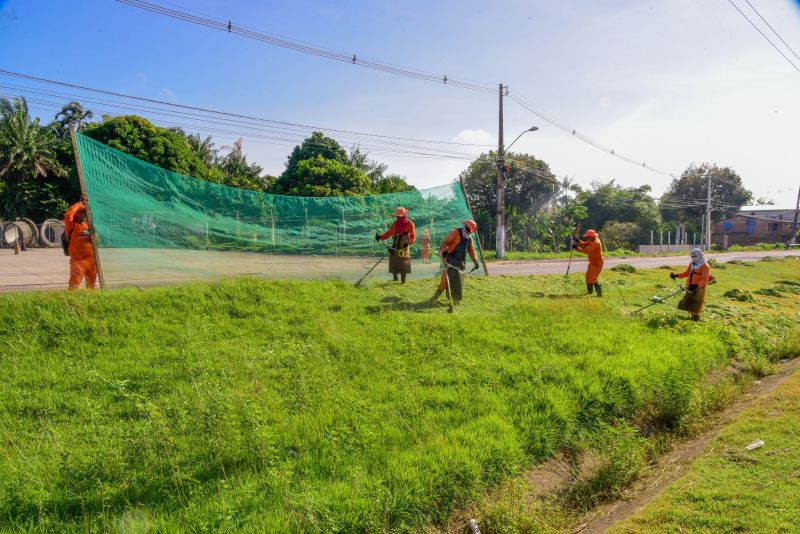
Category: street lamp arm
[531,129]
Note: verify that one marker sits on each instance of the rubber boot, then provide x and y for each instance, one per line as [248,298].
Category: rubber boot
[599,290]
[403,278]
[436,295]
[589,288]
[695,318]
[394,278]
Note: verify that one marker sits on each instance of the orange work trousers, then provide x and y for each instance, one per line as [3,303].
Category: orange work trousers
[593,272]
[80,269]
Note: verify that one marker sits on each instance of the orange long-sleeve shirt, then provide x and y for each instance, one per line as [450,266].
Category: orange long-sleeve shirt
[593,249]
[410,228]
[80,242]
[451,242]
[699,276]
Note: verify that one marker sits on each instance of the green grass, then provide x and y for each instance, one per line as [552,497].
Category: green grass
[317,407]
[730,489]
[489,255]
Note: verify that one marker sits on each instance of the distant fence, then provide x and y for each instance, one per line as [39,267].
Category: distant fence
[664,249]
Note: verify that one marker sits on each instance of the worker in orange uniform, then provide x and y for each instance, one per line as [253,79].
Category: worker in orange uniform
[425,242]
[698,276]
[81,254]
[403,234]
[593,248]
[453,251]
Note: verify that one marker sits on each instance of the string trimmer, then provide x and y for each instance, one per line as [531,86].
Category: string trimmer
[655,299]
[446,265]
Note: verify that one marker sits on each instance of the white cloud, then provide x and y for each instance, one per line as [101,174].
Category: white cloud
[475,136]
[167,93]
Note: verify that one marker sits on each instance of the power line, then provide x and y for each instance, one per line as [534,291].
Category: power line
[229,27]
[575,133]
[221,113]
[244,129]
[281,141]
[753,24]
[773,29]
[341,57]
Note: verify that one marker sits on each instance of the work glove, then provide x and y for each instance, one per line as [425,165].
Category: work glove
[673,275]
[377,236]
[692,288]
[475,266]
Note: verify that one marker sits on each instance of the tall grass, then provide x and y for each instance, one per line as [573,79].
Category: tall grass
[317,407]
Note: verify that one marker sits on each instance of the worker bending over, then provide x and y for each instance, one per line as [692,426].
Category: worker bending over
[403,234]
[81,255]
[593,248]
[698,276]
[453,251]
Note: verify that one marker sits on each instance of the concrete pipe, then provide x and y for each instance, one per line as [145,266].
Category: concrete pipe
[23,229]
[10,234]
[50,233]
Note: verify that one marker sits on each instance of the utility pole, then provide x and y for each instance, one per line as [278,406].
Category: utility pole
[500,243]
[794,224]
[708,212]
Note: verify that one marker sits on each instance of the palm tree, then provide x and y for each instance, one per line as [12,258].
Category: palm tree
[27,154]
[203,148]
[73,113]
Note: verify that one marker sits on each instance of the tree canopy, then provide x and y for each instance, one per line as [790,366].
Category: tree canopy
[142,139]
[728,194]
[611,202]
[320,167]
[29,167]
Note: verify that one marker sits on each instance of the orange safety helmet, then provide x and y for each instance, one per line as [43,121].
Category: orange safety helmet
[590,233]
[400,212]
[471,225]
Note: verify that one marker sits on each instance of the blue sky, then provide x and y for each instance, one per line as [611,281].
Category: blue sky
[670,82]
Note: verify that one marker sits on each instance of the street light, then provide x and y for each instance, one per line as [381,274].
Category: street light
[531,129]
[500,242]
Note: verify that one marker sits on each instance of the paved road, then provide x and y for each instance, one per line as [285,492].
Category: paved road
[38,269]
[523,268]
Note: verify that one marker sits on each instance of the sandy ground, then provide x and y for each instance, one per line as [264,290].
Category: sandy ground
[38,268]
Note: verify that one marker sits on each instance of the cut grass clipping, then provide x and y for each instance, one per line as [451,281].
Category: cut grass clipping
[316,406]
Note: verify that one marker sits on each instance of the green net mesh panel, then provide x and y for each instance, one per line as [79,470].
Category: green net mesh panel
[157,226]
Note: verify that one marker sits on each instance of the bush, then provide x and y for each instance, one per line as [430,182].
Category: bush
[617,234]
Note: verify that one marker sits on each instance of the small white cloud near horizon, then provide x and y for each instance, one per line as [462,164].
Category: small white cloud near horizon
[475,136]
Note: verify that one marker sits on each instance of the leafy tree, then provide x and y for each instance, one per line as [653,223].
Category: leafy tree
[529,186]
[28,163]
[728,195]
[323,177]
[616,235]
[391,183]
[612,202]
[141,139]
[316,145]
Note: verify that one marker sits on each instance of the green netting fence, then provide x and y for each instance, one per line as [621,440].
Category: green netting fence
[156,226]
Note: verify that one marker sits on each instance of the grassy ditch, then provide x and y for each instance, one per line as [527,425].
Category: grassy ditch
[731,489]
[318,407]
